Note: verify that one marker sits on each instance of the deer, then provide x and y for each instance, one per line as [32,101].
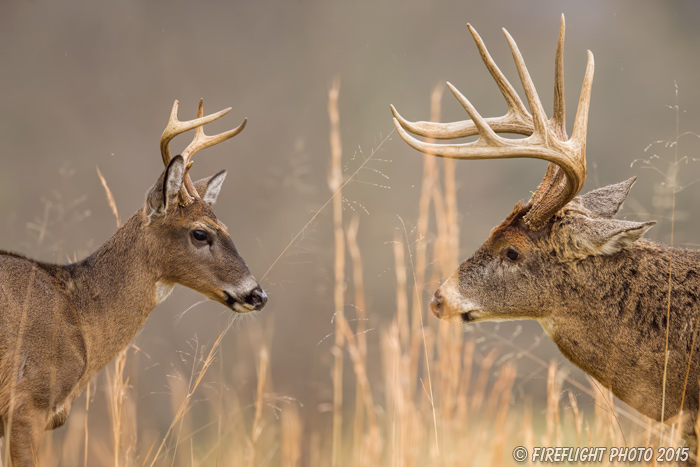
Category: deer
[622,308]
[60,324]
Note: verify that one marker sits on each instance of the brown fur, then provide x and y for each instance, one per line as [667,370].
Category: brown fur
[60,324]
[601,294]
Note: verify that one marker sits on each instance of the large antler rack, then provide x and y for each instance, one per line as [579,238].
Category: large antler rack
[188,193]
[545,139]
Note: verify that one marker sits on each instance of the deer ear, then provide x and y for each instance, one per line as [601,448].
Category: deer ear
[209,188]
[606,236]
[605,202]
[164,193]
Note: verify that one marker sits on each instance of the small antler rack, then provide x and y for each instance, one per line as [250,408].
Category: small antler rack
[200,141]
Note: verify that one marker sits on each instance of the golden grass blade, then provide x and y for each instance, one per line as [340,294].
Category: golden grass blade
[431,397]
[336,183]
[429,180]
[259,399]
[110,198]
[185,406]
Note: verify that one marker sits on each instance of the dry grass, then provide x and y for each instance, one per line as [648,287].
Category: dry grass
[440,398]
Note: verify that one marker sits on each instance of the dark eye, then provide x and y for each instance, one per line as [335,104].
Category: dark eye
[200,235]
[512,254]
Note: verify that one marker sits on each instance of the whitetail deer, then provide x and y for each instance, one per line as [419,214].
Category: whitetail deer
[599,290]
[60,324]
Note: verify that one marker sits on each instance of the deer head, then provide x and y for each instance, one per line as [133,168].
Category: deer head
[512,275]
[196,248]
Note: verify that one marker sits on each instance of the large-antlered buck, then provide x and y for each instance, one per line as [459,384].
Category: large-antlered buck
[60,324]
[600,291]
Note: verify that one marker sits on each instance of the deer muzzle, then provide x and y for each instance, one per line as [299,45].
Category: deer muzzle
[448,304]
[436,304]
[254,300]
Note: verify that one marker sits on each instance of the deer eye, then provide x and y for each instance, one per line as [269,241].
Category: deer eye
[512,254]
[200,235]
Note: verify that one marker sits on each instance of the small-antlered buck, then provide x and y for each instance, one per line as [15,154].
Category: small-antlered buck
[599,290]
[60,324]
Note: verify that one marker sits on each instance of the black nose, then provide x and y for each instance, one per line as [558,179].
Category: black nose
[436,304]
[257,298]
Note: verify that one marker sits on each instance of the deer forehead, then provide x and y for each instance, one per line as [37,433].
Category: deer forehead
[510,236]
[202,218]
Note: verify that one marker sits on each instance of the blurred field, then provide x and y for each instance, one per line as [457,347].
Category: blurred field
[345,365]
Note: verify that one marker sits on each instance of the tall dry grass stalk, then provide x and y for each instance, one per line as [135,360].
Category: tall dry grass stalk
[117,386]
[363,394]
[117,382]
[263,366]
[335,182]
[292,431]
[427,184]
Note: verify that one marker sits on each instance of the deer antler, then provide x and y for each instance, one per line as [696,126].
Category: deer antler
[200,141]
[545,139]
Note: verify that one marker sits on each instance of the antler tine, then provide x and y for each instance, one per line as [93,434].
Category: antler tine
[176,127]
[517,119]
[199,142]
[515,104]
[553,175]
[202,141]
[545,139]
[462,128]
[539,118]
[559,114]
[548,200]
[584,103]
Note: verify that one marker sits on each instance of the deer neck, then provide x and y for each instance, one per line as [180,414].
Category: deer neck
[114,291]
[612,314]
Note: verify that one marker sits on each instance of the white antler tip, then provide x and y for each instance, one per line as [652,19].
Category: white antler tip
[510,39]
[473,32]
[396,113]
[173,112]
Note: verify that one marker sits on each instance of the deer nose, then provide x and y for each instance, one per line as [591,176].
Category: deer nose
[257,298]
[436,303]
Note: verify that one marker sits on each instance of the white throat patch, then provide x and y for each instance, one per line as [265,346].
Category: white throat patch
[163,289]
[547,326]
